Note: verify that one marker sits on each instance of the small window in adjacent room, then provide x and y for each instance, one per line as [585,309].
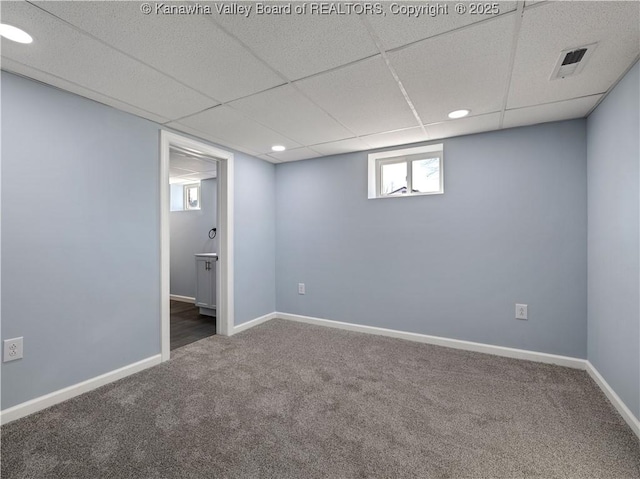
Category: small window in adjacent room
[192,196]
[406,172]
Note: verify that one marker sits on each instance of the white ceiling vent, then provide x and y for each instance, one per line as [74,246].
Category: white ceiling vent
[572,61]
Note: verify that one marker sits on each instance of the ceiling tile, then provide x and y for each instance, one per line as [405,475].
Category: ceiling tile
[395,30]
[562,110]
[464,126]
[60,50]
[268,158]
[342,146]
[394,138]
[285,109]
[294,155]
[232,128]
[190,48]
[364,97]
[192,178]
[301,45]
[192,165]
[173,171]
[205,175]
[30,72]
[531,3]
[556,26]
[176,180]
[465,69]
[209,137]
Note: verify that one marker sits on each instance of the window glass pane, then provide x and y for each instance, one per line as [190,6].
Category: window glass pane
[426,175]
[394,179]
[193,197]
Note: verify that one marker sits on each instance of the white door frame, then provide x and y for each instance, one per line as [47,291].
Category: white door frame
[224,285]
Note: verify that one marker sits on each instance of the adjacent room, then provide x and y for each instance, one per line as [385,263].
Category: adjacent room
[320,239]
[193,198]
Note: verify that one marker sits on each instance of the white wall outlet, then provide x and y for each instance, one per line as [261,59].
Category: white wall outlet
[12,349]
[521,311]
[301,288]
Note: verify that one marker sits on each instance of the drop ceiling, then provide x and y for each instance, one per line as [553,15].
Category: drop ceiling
[326,84]
[185,168]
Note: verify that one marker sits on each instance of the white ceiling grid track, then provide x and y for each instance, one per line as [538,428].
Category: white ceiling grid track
[327,84]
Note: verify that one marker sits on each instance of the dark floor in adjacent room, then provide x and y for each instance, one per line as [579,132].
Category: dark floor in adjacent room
[188,325]
[289,400]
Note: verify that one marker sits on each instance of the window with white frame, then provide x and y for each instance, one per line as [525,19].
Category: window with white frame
[407,172]
[192,196]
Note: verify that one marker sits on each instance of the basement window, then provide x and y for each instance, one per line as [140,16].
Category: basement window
[184,197]
[192,196]
[407,172]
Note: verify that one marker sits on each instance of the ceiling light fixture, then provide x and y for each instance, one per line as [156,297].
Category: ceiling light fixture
[278,148]
[459,114]
[14,33]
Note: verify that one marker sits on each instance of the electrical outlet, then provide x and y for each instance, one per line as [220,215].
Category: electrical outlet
[521,311]
[12,349]
[301,289]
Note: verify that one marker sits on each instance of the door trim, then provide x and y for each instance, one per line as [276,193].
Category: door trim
[224,283]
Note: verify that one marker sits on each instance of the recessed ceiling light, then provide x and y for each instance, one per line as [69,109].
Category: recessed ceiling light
[13,33]
[459,113]
[278,148]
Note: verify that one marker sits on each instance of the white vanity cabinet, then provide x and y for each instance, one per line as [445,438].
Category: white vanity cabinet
[206,264]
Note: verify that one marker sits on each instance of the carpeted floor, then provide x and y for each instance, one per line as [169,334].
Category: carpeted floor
[287,400]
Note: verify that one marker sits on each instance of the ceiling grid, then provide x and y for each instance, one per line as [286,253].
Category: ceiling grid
[323,85]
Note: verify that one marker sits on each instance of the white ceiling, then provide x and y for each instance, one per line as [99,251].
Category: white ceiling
[185,168]
[326,84]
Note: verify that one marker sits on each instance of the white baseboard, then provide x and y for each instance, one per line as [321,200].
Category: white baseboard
[51,399]
[621,407]
[566,361]
[439,341]
[48,400]
[184,299]
[253,322]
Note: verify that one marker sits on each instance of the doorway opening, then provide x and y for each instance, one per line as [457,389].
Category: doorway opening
[196,195]
[193,201]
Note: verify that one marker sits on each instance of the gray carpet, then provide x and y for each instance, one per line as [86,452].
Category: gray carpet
[287,400]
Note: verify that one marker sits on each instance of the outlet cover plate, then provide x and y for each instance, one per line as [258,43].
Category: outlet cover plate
[521,311]
[12,349]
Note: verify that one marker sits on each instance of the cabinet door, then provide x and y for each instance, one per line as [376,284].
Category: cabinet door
[213,269]
[204,286]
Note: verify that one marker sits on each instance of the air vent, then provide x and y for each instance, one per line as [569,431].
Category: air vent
[572,61]
[574,57]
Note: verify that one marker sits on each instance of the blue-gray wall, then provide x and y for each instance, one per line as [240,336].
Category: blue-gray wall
[80,255]
[510,227]
[190,235]
[80,238]
[613,153]
[255,246]
[80,247]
